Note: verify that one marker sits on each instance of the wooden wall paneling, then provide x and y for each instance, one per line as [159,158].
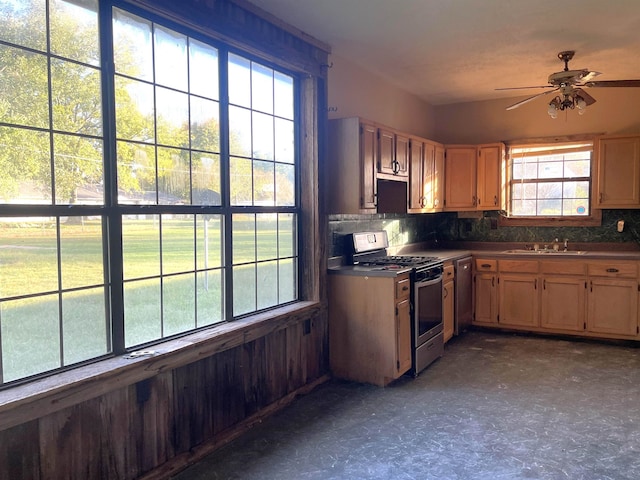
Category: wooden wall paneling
[254,373]
[152,417]
[276,371]
[89,440]
[296,360]
[229,398]
[317,347]
[19,452]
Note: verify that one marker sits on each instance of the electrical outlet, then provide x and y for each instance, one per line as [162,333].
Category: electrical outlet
[620,225]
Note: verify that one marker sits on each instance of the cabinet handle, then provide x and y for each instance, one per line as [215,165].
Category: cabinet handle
[478,200]
[446,292]
[486,265]
[535,284]
[600,197]
[465,267]
[473,201]
[544,284]
[495,200]
[612,270]
[591,286]
[493,281]
[405,288]
[436,202]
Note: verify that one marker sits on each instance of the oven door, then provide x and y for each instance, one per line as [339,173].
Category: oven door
[427,309]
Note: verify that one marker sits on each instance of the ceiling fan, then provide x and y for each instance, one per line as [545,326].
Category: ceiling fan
[570,87]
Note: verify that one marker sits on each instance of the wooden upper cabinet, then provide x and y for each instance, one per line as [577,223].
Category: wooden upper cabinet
[351,166]
[490,159]
[618,172]
[426,179]
[416,175]
[393,153]
[460,178]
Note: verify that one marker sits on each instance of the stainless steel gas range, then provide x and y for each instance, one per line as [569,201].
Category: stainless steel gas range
[369,254]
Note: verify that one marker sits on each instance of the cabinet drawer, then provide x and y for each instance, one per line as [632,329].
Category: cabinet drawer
[519,266]
[484,265]
[563,267]
[403,287]
[448,272]
[613,269]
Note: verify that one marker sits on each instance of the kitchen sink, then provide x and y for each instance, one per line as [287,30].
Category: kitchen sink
[522,251]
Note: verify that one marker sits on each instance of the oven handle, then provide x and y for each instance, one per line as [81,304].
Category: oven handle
[431,281]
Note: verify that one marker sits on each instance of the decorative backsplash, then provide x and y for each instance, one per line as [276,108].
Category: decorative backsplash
[404,229]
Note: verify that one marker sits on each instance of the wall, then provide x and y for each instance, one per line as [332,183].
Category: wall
[616,111]
[354,92]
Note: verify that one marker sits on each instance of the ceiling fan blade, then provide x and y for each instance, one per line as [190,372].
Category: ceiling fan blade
[613,83]
[589,76]
[527,100]
[523,88]
[589,100]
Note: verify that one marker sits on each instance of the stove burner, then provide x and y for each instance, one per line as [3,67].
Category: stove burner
[397,261]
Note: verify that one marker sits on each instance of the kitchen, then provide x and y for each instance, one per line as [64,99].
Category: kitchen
[352,91]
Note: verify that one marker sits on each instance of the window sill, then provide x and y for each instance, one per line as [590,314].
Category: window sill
[594,220]
[36,399]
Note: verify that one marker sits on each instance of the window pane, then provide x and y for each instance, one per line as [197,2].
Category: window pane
[206,179]
[30,333]
[209,241]
[284,141]
[78,170]
[285,185]
[24,23]
[25,163]
[263,183]
[575,190]
[261,88]
[239,81]
[178,301]
[74,30]
[244,238]
[142,306]
[550,190]
[240,177]
[178,254]
[267,284]
[244,289]
[210,295]
[84,326]
[286,235]
[81,252]
[575,207]
[283,95]
[239,131]
[170,57]
[135,113]
[28,256]
[578,168]
[24,88]
[140,246]
[550,170]
[549,207]
[203,69]
[132,48]
[524,208]
[174,179]
[172,121]
[205,126]
[262,136]
[136,173]
[267,234]
[287,278]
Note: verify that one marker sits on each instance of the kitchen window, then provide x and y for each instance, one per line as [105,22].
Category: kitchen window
[550,183]
[140,203]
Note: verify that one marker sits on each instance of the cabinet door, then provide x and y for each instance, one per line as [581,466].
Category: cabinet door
[484,288]
[386,151]
[403,336]
[368,150]
[489,166]
[518,296]
[438,178]
[618,178]
[612,306]
[417,171]
[401,165]
[448,305]
[563,302]
[460,178]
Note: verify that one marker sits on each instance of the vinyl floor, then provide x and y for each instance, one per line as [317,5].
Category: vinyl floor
[495,406]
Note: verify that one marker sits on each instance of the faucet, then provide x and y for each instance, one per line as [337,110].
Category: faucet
[566,244]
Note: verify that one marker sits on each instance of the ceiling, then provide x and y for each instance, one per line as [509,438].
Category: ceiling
[453,51]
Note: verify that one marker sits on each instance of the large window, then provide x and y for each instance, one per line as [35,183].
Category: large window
[550,180]
[139,203]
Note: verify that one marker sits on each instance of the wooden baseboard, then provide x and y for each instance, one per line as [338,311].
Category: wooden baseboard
[186,459]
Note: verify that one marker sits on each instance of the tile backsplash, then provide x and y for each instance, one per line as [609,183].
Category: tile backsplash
[404,229]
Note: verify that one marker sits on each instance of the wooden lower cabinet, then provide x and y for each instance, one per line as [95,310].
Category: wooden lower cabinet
[369,327]
[448,301]
[562,303]
[518,304]
[612,306]
[485,295]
